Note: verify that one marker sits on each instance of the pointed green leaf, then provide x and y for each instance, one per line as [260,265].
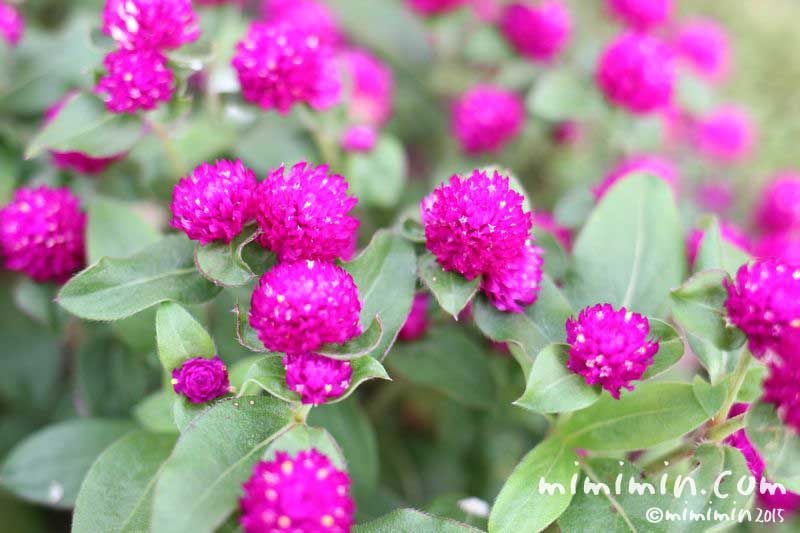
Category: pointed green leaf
[223,264]
[777,443]
[364,344]
[413,520]
[711,397]
[180,337]
[115,230]
[451,289]
[670,348]
[717,253]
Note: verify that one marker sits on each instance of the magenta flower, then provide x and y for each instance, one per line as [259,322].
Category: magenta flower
[76,161]
[12,25]
[434,7]
[636,72]
[297,307]
[648,164]
[545,221]
[359,139]
[304,493]
[474,224]
[303,213]
[539,32]
[416,323]
[703,45]
[371,88]
[641,14]
[201,380]
[779,208]
[513,285]
[610,347]
[310,16]
[726,134]
[784,246]
[567,133]
[280,65]
[136,80]
[486,118]
[716,197]
[42,234]
[729,233]
[317,379]
[150,24]
[764,302]
[214,202]
[782,389]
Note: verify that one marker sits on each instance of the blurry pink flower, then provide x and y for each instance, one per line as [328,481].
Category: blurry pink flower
[538,31]
[545,221]
[704,46]
[647,164]
[416,323]
[726,134]
[641,14]
[136,80]
[371,88]
[434,7]
[715,197]
[486,118]
[150,24]
[730,234]
[567,133]
[359,139]
[784,246]
[779,207]
[310,16]
[12,25]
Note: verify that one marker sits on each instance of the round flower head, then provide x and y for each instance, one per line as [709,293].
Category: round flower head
[610,347]
[645,164]
[764,302]
[782,389]
[703,45]
[538,32]
[310,16]
[12,25]
[150,24]
[359,139]
[136,80]
[486,118]
[545,221]
[214,202]
[636,72]
[371,88]
[280,65]
[729,233]
[779,208]
[303,213]
[474,224]
[434,7]
[512,286]
[716,197]
[725,135]
[201,380]
[304,493]
[641,14]
[42,234]
[298,307]
[77,161]
[416,323]
[784,246]
[316,378]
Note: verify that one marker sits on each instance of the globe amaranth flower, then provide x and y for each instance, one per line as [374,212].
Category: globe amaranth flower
[416,323]
[782,389]
[729,233]
[513,285]
[641,14]
[297,307]
[764,302]
[305,492]
[784,245]
[77,161]
[12,25]
[537,31]
[715,196]
[42,234]
[704,46]
[280,65]
[726,134]
[474,224]
[317,378]
[370,88]
[309,16]
[201,380]
[545,221]
[434,7]
[303,213]
[150,24]
[637,72]
[486,118]
[640,164]
[779,207]
[610,347]
[214,202]
[135,80]
[359,139]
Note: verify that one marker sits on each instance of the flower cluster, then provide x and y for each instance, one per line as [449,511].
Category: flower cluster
[201,380]
[12,25]
[538,32]
[136,80]
[301,493]
[703,45]
[370,86]
[309,16]
[316,378]
[610,347]
[486,118]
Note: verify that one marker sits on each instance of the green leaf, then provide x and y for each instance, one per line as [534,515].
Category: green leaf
[412,520]
[364,344]
[651,414]
[200,482]
[563,95]
[117,494]
[450,361]
[113,289]
[693,94]
[269,374]
[752,387]
[84,125]
[185,412]
[48,467]
[301,437]
[699,307]
[180,337]
[716,253]
[114,230]
[412,229]
[273,140]
[223,264]
[711,397]
[670,348]
[451,289]
[378,177]
[154,413]
[777,443]
[521,506]
[385,274]
[556,259]
[630,253]
[245,333]
[36,300]
[553,388]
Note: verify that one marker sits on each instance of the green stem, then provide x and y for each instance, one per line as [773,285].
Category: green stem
[726,429]
[739,375]
[678,454]
[300,413]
